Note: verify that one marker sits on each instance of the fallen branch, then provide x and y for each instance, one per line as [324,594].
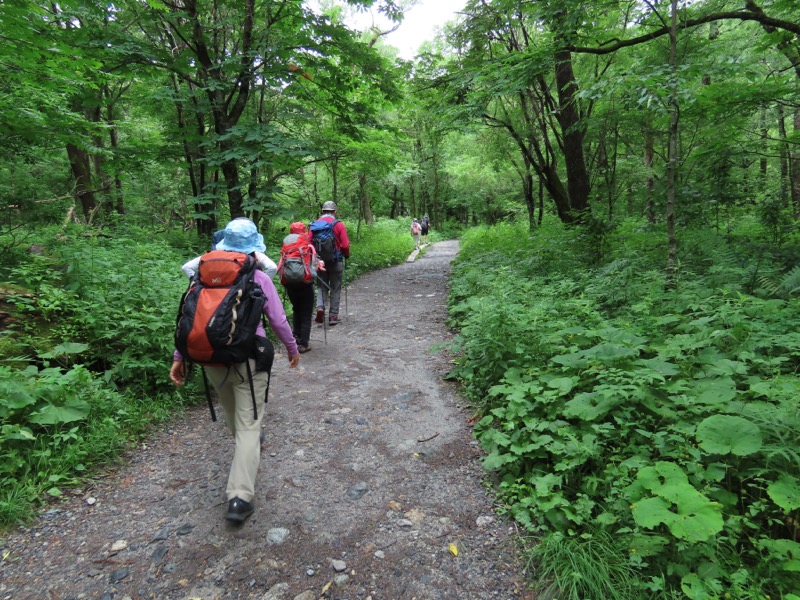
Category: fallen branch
[428,439]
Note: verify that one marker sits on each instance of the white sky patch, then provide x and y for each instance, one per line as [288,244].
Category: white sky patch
[420,24]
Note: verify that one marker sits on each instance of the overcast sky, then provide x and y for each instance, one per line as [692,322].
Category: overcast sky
[418,25]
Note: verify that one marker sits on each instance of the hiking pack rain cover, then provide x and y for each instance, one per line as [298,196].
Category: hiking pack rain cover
[324,240]
[296,265]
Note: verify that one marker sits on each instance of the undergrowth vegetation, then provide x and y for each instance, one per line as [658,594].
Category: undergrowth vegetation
[648,438]
[84,364]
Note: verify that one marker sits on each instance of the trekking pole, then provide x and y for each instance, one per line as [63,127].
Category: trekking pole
[344,285]
[324,323]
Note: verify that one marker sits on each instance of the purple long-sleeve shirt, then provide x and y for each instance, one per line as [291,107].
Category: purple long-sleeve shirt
[273,310]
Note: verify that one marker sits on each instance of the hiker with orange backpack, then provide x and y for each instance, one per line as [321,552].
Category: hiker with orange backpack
[265,263]
[298,269]
[220,327]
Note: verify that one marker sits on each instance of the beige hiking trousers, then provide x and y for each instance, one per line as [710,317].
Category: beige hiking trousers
[233,388]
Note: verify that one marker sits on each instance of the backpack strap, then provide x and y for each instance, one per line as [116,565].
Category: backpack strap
[252,389]
[208,395]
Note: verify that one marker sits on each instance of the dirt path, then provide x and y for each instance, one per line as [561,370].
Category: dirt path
[368,475]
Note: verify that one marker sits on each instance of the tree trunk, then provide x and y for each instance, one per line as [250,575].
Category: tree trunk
[764,140]
[530,202]
[394,210]
[335,180]
[784,155]
[363,195]
[572,129]
[794,165]
[228,100]
[649,182]
[412,197]
[82,173]
[113,138]
[98,161]
[541,202]
[672,150]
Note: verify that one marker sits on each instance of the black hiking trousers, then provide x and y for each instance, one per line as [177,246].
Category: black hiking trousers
[301,295]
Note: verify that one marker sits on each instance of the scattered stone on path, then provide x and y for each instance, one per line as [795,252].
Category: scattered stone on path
[277,535]
[358,490]
[118,575]
[161,534]
[276,592]
[307,595]
[338,565]
[483,521]
[159,553]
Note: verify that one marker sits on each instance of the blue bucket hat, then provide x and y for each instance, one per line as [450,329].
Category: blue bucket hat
[241,235]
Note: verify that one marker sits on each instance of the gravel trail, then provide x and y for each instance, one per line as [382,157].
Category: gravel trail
[370,485]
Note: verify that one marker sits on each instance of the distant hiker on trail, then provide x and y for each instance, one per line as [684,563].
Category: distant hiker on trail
[298,268]
[416,230]
[329,236]
[265,263]
[426,224]
[216,329]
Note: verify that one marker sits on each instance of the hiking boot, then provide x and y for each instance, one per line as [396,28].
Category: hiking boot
[320,315]
[302,349]
[334,320]
[239,510]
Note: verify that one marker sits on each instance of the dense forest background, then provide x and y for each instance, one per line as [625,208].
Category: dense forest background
[625,180]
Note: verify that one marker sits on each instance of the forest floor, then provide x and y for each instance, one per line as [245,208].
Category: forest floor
[370,484]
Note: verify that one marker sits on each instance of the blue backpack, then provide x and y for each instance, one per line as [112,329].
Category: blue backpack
[324,241]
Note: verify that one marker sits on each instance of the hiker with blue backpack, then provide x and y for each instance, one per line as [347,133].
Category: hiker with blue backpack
[220,327]
[329,236]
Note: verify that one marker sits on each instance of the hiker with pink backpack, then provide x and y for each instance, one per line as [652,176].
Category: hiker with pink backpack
[416,231]
[298,268]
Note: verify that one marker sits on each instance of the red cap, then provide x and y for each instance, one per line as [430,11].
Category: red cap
[297,227]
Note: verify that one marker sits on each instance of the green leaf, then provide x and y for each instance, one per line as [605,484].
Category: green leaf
[651,512]
[728,434]
[562,384]
[714,391]
[666,368]
[610,352]
[68,348]
[785,492]
[576,360]
[16,432]
[693,587]
[53,415]
[13,396]
[687,513]
[590,406]
[697,520]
